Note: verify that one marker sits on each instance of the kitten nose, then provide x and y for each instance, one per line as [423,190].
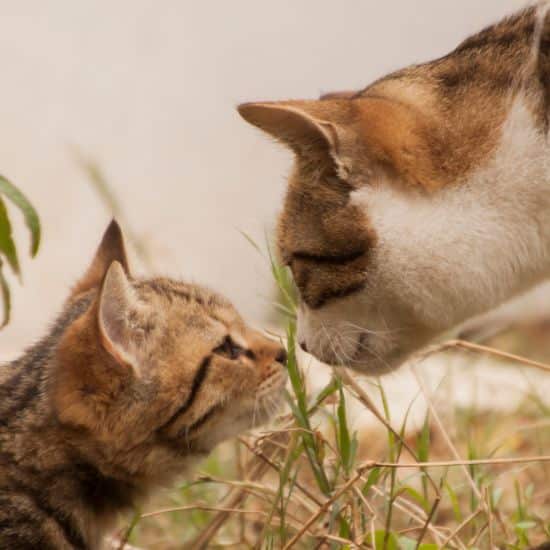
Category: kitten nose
[282,357]
[303,345]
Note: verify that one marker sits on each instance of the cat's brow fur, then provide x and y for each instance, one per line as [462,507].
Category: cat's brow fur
[399,187]
[85,432]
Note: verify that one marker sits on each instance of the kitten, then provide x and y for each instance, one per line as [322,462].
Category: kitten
[137,379]
[421,200]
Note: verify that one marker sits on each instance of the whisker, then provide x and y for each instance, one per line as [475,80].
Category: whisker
[254,411]
[359,328]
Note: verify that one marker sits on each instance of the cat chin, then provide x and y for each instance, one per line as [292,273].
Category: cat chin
[240,419]
[347,333]
[370,365]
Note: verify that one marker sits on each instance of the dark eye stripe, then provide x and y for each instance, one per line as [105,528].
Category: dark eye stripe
[336,259]
[195,387]
[188,430]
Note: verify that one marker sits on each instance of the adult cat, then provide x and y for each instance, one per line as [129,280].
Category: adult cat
[137,379]
[421,200]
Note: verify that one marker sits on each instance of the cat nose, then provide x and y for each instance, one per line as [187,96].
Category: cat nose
[282,357]
[303,345]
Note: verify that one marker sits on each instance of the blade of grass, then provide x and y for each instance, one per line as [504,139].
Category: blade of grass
[300,411]
[346,444]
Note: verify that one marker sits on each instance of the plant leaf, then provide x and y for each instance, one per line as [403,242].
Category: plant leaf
[344,439]
[6,298]
[372,480]
[31,217]
[382,539]
[7,246]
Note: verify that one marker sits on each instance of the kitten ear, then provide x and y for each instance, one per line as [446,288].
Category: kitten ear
[110,249]
[116,301]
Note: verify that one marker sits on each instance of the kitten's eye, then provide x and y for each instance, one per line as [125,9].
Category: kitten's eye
[228,348]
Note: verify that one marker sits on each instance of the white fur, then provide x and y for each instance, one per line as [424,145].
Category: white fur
[441,258]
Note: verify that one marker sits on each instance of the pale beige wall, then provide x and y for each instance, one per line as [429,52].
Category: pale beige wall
[149,89]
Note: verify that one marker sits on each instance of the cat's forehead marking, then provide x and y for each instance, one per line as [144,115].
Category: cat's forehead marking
[324,237]
[177,290]
[202,307]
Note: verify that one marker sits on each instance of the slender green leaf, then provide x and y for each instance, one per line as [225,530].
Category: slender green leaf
[252,242]
[415,495]
[284,281]
[406,543]
[326,392]
[382,539]
[455,504]
[29,213]
[300,411]
[345,529]
[344,439]
[6,298]
[7,246]
[524,525]
[310,448]
[372,480]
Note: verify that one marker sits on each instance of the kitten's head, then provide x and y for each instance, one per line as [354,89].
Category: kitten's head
[388,240]
[150,371]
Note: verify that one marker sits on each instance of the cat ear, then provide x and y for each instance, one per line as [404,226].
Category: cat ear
[360,134]
[304,126]
[111,249]
[318,129]
[117,300]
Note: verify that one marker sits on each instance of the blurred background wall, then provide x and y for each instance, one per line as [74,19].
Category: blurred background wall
[148,90]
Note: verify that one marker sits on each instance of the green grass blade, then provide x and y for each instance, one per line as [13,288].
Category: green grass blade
[310,447]
[372,480]
[455,504]
[252,242]
[346,443]
[325,393]
[300,411]
[283,280]
[423,451]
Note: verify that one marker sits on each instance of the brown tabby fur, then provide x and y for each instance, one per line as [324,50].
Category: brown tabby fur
[426,127]
[135,381]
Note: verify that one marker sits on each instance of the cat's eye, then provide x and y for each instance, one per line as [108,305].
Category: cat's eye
[228,348]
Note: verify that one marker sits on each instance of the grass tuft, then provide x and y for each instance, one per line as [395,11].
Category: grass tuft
[463,479]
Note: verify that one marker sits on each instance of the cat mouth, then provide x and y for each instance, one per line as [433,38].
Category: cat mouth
[365,357]
[372,362]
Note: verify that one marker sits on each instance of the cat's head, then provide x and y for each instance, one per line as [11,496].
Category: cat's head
[389,239]
[150,371]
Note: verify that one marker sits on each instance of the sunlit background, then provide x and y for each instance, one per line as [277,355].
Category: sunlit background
[148,90]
